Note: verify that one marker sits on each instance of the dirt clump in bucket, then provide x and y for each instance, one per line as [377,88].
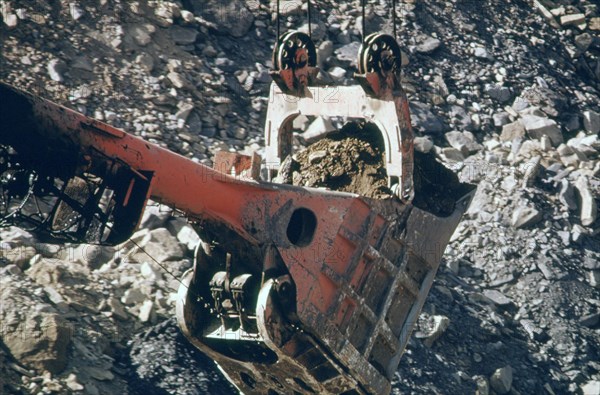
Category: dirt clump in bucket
[349,160]
[352,159]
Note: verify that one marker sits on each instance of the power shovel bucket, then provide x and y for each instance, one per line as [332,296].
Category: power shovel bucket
[300,290]
[341,278]
[336,319]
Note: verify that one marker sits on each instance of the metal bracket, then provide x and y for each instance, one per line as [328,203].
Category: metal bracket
[294,61]
[391,117]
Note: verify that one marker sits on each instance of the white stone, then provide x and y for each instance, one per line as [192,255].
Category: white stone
[591,388]
[591,121]
[320,127]
[497,297]
[463,141]
[133,296]
[566,195]
[146,311]
[337,73]
[501,380]
[55,69]
[187,16]
[573,19]
[440,324]
[110,115]
[11,20]
[93,256]
[72,383]
[483,386]
[570,156]
[140,35]
[537,127]
[178,80]
[525,216]
[546,143]
[423,144]
[188,237]
[149,272]
[512,130]
[587,207]
[428,45]
[76,11]
[481,53]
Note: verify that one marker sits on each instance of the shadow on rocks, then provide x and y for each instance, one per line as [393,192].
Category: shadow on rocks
[160,361]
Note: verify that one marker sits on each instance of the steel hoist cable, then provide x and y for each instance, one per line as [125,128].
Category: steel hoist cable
[309,23]
[364,20]
[278,20]
[309,20]
[394,18]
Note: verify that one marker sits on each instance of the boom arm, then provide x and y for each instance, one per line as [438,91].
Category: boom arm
[60,142]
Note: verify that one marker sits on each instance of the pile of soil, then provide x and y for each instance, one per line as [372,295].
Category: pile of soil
[349,160]
[352,160]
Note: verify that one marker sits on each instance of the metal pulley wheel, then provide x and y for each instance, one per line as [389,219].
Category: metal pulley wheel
[379,53]
[364,46]
[294,50]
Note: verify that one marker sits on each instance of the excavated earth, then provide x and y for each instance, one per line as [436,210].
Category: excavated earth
[504,93]
[348,161]
[352,160]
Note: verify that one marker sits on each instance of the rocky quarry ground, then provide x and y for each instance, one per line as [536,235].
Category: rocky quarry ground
[504,92]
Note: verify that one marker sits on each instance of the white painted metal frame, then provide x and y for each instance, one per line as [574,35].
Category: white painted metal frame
[332,101]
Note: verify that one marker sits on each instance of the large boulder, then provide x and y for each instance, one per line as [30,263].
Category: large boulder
[540,126]
[159,245]
[31,330]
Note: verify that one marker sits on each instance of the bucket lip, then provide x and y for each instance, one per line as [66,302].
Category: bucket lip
[461,203]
